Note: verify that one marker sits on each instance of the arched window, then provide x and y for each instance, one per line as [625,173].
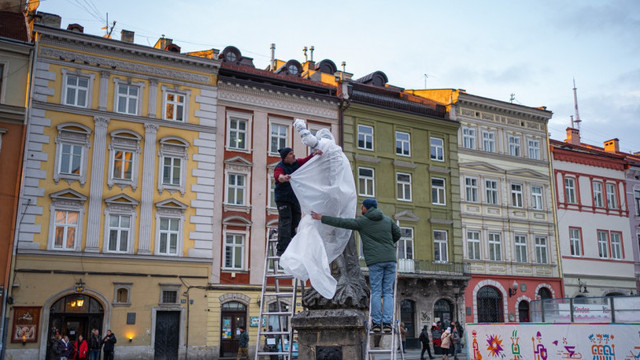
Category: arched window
[407,314]
[490,305]
[443,311]
[234,314]
[523,311]
[544,293]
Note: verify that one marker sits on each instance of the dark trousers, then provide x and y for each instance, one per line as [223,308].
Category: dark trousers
[288,220]
[108,355]
[427,348]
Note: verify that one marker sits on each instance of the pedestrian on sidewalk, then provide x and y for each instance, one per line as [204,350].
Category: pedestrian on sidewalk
[446,343]
[424,339]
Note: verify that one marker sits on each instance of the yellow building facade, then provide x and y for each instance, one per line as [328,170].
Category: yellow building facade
[116,206]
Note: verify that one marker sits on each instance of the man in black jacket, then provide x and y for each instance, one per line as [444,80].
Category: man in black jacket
[95,344]
[109,345]
[424,339]
[243,343]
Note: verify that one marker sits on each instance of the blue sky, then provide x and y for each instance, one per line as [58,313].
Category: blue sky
[531,48]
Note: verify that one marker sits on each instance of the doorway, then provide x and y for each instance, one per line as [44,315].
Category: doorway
[234,314]
[490,305]
[167,335]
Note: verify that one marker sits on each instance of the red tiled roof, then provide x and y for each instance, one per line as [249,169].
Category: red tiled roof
[13,25]
[270,74]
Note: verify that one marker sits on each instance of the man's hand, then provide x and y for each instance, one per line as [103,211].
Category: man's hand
[316,216]
[319,152]
[284,178]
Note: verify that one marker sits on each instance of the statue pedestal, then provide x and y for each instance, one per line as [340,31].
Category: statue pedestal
[330,334]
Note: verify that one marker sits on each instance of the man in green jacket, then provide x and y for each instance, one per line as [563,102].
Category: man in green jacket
[379,234]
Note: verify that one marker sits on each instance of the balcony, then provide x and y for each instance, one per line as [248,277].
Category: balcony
[428,268]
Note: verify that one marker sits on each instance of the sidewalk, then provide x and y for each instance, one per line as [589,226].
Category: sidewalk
[414,354]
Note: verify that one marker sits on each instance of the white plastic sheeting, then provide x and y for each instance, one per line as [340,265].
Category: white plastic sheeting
[325,185]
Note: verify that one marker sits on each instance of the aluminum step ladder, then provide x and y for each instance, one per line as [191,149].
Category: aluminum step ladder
[390,353]
[276,337]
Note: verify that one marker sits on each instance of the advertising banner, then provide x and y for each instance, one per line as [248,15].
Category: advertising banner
[518,341]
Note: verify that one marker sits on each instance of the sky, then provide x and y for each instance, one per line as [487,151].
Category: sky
[530,48]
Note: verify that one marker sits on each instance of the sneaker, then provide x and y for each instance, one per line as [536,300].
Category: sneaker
[375,328]
[386,327]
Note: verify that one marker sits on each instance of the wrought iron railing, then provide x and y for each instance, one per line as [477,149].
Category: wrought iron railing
[428,267]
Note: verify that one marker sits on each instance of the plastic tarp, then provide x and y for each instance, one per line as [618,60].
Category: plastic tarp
[325,185]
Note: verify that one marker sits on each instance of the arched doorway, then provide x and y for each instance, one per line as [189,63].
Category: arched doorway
[443,311]
[234,314]
[544,293]
[523,311]
[407,314]
[74,315]
[490,305]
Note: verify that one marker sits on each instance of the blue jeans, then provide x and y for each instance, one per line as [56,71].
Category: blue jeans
[94,354]
[381,278]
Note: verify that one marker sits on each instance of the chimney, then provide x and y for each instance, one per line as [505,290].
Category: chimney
[126,36]
[47,19]
[612,145]
[573,136]
[162,43]
[75,28]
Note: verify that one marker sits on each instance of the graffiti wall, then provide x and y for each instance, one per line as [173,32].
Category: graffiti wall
[553,341]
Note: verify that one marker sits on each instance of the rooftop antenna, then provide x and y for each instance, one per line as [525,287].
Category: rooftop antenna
[304,51]
[575,101]
[426,76]
[273,56]
[512,97]
[311,49]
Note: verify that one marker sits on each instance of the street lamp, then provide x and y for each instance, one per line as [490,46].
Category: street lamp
[513,289]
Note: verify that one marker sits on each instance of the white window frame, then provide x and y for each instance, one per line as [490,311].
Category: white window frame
[491,193]
[542,253]
[241,248]
[440,192]
[406,244]
[603,244]
[495,246]
[124,141]
[119,229]
[534,149]
[469,137]
[365,136]
[514,145]
[120,205]
[570,190]
[616,245]
[520,246]
[172,210]
[282,140]
[175,148]
[271,200]
[186,94]
[516,195]
[403,145]
[436,150]
[612,196]
[441,247]
[235,188]
[138,98]
[636,197]
[598,194]
[471,189]
[575,242]
[403,187]
[366,180]
[241,117]
[489,141]
[73,134]
[473,245]
[536,197]
[66,74]
[61,201]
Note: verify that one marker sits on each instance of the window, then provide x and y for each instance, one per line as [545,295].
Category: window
[495,247]
[514,145]
[489,141]
[122,291]
[603,244]
[173,164]
[127,98]
[66,230]
[72,151]
[469,138]
[3,75]
[473,245]
[405,244]
[471,189]
[636,196]
[570,190]
[278,137]
[616,245]
[169,233]
[403,182]
[236,189]
[403,143]
[237,133]
[541,250]
[534,149]
[169,297]
[516,195]
[536,197]
[440,246]
[76,89]
[234,251]
[598,200]
[272,189]
[119,230]
[490,305]
[438,192]
[365,182]
[521,248]
[123,152]
[575,241]
[175,105]
[437,149]
[365,137]
[491,187]
[612,199]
